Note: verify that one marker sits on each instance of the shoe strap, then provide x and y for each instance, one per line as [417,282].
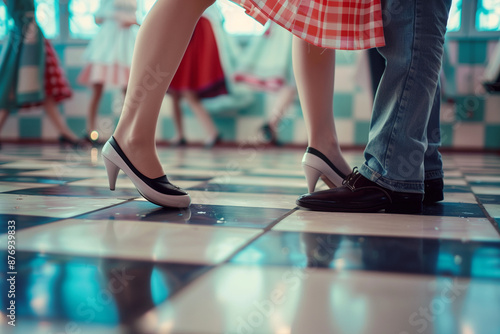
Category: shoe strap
[323,157]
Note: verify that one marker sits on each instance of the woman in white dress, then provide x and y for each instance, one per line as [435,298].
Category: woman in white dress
[109,55]
[266,65]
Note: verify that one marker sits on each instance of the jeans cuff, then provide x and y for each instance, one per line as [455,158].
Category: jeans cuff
[398,186]
[434,174]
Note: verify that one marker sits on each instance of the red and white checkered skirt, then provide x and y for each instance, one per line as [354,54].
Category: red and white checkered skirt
[334,24]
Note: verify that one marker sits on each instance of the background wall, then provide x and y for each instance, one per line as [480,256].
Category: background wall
[471,120]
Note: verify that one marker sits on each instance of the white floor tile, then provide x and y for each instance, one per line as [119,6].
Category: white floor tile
[239,299]
[389,225]
[486,190]
[493,210]
[52,206]
[11,186]
[452,197]
[136,240]
[265,181]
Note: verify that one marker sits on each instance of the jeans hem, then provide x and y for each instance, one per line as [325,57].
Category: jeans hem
[398,186]
[434,174]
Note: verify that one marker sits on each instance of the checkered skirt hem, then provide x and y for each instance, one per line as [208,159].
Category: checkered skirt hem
[334,24]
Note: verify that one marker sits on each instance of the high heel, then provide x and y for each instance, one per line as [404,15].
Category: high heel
[214,141]
[66,141]
[158,191]
[270,135]
[181,142]
[316,165]
[112,170]
[267,132]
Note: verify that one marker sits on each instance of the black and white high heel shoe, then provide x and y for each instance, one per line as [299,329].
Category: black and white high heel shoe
[316,165]
[158,191]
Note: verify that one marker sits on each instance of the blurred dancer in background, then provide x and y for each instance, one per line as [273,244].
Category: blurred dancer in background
[109,55]
[30,74]
[200,75]
[266,65]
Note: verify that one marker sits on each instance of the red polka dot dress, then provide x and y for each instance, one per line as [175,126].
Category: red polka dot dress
[30,69]
[56,84]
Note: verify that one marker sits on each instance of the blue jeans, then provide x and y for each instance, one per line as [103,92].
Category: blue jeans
[402,149]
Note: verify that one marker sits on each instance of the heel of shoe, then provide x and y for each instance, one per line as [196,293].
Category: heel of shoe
[312,177]
[112,171]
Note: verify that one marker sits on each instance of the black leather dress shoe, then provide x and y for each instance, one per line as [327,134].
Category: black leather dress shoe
[433,191]
[358,194]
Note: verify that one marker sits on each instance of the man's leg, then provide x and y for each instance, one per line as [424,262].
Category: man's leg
[398,134]
[392,176]
[433,163]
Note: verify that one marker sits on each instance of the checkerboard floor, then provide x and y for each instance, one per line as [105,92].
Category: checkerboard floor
[243,258]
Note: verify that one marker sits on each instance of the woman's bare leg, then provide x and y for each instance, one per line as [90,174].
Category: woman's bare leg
[94,106]
[4,114]
[161,43]
[283,102]
[314,70]
[52,111]
[202,115]
[178,117]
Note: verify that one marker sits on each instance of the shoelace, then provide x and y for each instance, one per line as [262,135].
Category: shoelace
[351,176]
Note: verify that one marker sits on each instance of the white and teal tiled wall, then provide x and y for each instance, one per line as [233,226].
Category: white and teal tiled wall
[472,121]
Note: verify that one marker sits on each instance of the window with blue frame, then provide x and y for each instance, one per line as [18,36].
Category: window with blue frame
[488,15]
[81,18]
[455,18]
[143,6]
[81,22]
[47,16]
[236,21]
[3,20]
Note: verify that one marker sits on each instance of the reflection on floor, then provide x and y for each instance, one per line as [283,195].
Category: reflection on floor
[242,258]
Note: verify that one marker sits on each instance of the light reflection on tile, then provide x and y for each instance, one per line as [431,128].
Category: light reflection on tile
[453,173]
[90,292]
[11,186]
[263,181]
[24,164]
[482,178]
[455,182]
[193,244]
[486,190]
[243,199]
[389,225]
[493,210]
[56,206]
[209,215]
[269,171]
[377,270]
[68,171]
[55,326]
[278,300]
[455,197]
